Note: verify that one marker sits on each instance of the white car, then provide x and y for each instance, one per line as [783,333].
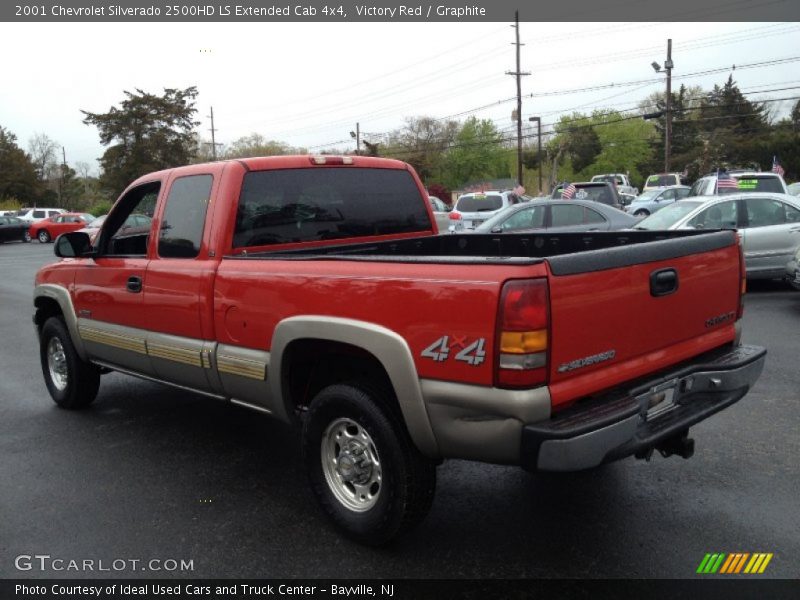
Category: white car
[440,212]
[768,223]
[34,215]
[658,180]
[470,210]
[746,181]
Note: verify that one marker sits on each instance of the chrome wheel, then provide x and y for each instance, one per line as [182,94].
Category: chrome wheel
[351,465]
[44,237]
[57,364]
[26,237]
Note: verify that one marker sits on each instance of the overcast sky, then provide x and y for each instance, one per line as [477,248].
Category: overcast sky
[307,84]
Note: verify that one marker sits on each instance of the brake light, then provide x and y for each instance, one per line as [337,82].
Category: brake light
[454,216]
[742,276]
[521,355]
[331,160]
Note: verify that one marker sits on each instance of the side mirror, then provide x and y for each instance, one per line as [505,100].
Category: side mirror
[73,245]
[497,229]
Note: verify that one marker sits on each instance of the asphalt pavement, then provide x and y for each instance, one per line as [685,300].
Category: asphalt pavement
[150,473]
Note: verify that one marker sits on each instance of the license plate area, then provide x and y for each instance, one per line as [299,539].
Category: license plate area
[659,400]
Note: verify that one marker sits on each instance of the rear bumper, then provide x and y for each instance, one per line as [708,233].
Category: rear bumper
[613,427]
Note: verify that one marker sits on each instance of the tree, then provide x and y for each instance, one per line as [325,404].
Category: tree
[147,133]
[17,171]
[256,144]
[43,154]
[422,143]
[477,153]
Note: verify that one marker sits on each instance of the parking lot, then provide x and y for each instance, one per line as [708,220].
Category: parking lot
[153,473]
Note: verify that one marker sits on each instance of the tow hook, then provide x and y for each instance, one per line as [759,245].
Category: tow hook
[681,444]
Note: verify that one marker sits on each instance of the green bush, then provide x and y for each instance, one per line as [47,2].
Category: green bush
[10,204]
[100,208]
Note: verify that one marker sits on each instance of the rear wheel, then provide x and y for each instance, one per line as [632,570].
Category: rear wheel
[367,474]
[641,213]
[43,236]
[71,381]
[26,237]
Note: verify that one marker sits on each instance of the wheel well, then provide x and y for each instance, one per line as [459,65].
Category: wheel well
[45,308]
[309,365]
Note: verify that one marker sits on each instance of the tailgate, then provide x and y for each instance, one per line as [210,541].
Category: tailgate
[621,313]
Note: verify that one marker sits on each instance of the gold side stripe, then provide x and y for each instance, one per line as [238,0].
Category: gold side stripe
[176,354]
[115,340]
[242,367]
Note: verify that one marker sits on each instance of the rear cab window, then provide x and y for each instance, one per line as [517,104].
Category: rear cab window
[280,206]
[479,203]
[181,232]
[759,183]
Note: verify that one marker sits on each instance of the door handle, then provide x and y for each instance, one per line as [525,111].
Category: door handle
[134,284]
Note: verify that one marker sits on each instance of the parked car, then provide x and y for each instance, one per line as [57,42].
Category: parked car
[12,229]
[441,212]
[746,181]
[794,189]
[653,200]
[658,180]
[135,224]
[550,215]
[49,229]
[32,215]
[621,180]
[769,225]
[597,191]
[470,210]
[793,270]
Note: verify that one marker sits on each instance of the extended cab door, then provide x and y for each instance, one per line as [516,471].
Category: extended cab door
[108,288]
[178,286]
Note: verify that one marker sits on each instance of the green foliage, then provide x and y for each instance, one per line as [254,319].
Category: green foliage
[10,204]
[17,172]
[147,133]
[477,153]
[99,208]
[256,144]
[423,143]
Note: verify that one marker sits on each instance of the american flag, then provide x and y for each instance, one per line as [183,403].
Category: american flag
[776,166]
[726,182]
[568,192]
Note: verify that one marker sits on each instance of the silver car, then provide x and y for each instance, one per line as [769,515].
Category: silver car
[769,225]
[558,215]
[793,270]
[646,203]
[440,212]
[470,210]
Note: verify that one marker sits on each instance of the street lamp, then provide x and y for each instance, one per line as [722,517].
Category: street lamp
[539,123]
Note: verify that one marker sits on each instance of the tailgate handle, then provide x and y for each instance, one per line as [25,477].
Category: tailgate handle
[663,282]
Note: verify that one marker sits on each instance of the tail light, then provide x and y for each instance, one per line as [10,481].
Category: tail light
[454,216]
[742,276]
[521,354]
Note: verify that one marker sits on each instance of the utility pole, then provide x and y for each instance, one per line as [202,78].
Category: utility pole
[518,75]
[668,128]
[539,155]
[356,135]
[213,140]
[63,174]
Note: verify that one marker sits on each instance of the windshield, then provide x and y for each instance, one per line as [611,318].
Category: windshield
[661,180]
[647,196]
[479,203]
[755,183]
[669,215]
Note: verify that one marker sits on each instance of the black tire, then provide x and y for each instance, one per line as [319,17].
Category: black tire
[641,213]
[43,236]
[397,493]
[72,382]
[26,237]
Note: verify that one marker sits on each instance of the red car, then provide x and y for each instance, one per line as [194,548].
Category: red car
[49,229]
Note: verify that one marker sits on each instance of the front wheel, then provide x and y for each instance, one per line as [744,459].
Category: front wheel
[43,236]
[364,469]
[71,381]
[641,213]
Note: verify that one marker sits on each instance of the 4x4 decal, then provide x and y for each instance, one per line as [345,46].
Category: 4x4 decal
[472,353]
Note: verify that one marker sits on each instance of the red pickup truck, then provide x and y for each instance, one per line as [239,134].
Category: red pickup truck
[315,290]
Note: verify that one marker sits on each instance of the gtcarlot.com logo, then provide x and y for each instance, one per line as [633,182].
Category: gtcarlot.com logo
[736,563]
[46,562]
